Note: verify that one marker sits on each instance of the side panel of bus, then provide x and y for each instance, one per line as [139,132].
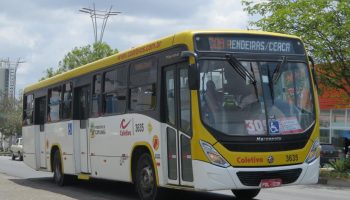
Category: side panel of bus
[29,146]
[60,134]
[113,140]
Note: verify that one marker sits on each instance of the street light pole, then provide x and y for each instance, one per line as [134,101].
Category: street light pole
[99,14]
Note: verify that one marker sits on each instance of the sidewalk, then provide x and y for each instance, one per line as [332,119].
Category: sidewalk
[21,189]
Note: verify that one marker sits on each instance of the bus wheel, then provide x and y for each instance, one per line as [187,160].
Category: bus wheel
[246,194]
[58,176]
[145,179]
[20,156]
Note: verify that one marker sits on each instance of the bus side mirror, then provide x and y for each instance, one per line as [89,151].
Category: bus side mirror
[193,77]
[193,74]
[313,70]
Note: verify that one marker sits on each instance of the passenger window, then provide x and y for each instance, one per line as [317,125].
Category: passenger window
[143,72]
[96,96]
[67,101]
[115,91]
[143,98]
[28,109]
[143,78]
[54,104]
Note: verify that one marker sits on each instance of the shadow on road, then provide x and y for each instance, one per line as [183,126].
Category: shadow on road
[102,189]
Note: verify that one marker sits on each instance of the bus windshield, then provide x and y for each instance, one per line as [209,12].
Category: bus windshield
[278,102]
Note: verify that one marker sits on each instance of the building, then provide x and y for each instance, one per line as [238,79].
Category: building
[335,118]
[7,78]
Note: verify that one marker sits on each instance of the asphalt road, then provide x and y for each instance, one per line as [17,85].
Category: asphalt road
[19,182]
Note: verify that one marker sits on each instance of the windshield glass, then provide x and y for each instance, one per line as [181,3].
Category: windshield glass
[277,102]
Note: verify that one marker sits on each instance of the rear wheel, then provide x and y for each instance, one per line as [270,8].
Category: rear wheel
[145,178]
[246,194]
[58,176]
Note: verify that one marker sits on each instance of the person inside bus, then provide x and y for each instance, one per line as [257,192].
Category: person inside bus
[213,99]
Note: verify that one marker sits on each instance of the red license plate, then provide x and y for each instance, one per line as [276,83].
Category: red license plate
[270,183]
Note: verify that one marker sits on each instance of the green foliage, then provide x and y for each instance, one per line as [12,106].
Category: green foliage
[333,174]
[341,165]
[10,115]
[341,169]
[80,56]
[324,26]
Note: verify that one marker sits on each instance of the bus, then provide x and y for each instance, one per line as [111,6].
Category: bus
[197,110]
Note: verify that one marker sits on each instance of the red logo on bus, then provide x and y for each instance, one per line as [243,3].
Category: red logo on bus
[123,125]
[124,128]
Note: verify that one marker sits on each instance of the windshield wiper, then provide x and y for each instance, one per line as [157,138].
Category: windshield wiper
[240,69]
[276,73]
[275,76]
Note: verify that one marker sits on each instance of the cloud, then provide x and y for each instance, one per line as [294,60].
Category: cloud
[42,32]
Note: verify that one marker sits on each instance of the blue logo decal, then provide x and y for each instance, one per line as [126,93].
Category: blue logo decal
[274,127]
[70,129]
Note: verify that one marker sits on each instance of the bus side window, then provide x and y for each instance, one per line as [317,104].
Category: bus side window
[96,96]
[67,101]
[114,96]
[53,110]
[143,78]
[28,107]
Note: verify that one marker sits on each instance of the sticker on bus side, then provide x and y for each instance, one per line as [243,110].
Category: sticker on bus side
[70,128]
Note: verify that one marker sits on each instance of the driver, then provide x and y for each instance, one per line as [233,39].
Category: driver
[212,97]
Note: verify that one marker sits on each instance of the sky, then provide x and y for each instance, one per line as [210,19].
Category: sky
[41,32]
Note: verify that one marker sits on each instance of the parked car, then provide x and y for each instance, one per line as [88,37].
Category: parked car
[17,149]
[328,153]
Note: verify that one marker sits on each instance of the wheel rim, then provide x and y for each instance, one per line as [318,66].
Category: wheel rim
[147,181]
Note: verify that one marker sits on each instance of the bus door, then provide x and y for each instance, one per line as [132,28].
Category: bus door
[178,124]
[40,138]
[81,113]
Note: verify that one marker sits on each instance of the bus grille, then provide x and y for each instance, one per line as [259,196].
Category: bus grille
[254,178]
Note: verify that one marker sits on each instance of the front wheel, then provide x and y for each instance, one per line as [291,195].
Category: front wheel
[145,181]
[246,194]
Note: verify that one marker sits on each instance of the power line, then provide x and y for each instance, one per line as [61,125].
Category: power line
[101,15]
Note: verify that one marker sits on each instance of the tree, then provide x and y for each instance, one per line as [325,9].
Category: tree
[10,115]
[80,56]
[324,26]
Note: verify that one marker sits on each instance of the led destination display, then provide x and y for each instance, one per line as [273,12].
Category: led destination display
[249,43]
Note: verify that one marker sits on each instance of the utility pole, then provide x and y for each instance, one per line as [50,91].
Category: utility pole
[9,68]
[99,15]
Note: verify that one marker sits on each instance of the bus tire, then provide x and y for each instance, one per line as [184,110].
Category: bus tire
[246,194]
[145,179]
[59,177]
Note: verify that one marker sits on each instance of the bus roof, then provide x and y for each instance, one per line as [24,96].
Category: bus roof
[184,37]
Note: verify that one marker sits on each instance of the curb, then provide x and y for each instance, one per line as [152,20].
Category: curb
[334,182]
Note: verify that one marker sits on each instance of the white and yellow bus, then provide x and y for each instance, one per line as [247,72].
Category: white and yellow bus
[200,110]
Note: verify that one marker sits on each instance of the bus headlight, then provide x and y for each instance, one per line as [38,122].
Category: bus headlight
[213,156]
[314,152]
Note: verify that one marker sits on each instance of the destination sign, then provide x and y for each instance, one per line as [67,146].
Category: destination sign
[249,43]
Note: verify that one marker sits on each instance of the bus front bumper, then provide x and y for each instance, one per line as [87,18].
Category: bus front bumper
[210,177]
